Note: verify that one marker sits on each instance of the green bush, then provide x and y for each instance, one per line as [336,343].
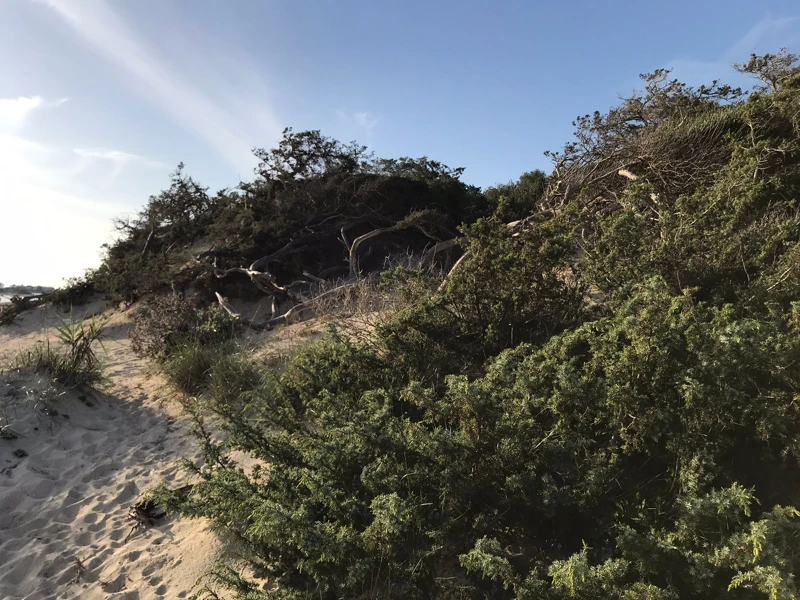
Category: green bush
[17,305]
[509,291]
[610,434]
[311,189]
[189,367]
[8,313]
[75,291]
[500,439]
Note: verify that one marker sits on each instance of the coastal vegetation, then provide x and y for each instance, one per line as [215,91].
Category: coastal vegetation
[587,387]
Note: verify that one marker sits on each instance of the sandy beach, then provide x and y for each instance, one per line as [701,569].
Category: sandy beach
[71,466]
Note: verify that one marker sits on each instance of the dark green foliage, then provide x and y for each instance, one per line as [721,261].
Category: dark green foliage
[75,291]
[311,189]
[152,245]
[731,235]
[597,436]
[188,366]
[507,437]
[510,290]
[17,304]
[8,313]
[518,200]
[189,343]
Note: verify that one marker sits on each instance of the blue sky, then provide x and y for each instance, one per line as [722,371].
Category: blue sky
[100,99]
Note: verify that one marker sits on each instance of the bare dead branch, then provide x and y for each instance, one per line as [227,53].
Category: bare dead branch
[449,275]
[354,271]
[431,253]
[305,304]
[225,306]
[149,238]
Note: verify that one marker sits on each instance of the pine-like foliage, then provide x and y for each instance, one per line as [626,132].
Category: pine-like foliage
[605,406]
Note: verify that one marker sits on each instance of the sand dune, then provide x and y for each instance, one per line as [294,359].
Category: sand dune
[77,464]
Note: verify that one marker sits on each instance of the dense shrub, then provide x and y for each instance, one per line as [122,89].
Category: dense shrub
[604,435]
[8,313]
[188,366]
[499,438]
[75,291]
[310,189]
[17,304]
[517,200]
[510,290]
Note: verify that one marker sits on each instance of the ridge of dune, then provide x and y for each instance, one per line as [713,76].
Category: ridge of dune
[77,464]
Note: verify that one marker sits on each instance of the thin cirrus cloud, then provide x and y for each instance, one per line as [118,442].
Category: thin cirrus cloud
[775,30]
[767,35]
[230,128]
[20,156]
[116,156]
[364,120]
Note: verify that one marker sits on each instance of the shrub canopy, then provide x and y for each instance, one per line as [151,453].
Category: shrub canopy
[604,405]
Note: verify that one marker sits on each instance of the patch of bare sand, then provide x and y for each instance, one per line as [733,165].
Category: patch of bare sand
[76,466]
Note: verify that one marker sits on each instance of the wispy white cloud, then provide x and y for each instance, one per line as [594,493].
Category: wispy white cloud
[232,129]
[767,35]
[366,121]
[116,156]
[15,111]
[118,159]
[768,30]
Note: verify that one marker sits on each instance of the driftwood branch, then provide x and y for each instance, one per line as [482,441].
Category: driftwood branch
[430,254]
[449,275]
[354,270]
[313,278]
[306,303]
[298,291]
[225,306]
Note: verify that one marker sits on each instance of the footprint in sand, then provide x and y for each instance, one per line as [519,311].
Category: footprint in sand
[128,492]
[84,539]
[115,585]
[99,526]
[98,475]
[132,556]
[99,559]
[43,489]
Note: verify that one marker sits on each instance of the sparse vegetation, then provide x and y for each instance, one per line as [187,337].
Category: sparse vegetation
[185,339]
[165,323]
[72,360]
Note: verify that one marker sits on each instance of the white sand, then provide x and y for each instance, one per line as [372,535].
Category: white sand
[67,501]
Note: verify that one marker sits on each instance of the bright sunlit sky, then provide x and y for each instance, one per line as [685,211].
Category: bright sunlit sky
[99,100]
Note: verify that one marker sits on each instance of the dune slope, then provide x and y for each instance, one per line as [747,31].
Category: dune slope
[71,466]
